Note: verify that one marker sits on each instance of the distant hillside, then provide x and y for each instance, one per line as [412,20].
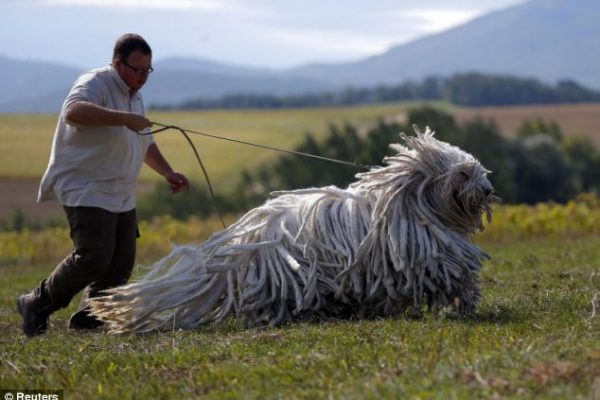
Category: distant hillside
[41,87]
[196,65]
[546,39]
[33,86]
[470,89]
[549,40]
[174,86]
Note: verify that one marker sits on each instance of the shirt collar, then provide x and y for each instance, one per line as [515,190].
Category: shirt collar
[119,82]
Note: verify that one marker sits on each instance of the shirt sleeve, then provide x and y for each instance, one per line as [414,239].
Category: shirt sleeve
[88,87]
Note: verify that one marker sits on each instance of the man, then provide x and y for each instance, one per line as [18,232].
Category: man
[94,165]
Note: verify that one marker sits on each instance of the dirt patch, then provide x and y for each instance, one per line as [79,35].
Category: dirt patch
[22,194]
[575,119]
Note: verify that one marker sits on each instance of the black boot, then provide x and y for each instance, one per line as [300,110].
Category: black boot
[84,319]
[35,308]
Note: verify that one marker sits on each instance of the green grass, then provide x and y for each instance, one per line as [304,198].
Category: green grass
[535,334]
[25,140]
[533,337]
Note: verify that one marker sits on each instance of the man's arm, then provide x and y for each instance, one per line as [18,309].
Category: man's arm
[90,114]
[157,162]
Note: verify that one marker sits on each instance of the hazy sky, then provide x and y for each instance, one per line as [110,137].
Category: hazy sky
[263,33]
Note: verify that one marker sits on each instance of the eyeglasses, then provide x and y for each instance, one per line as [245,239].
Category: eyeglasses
[139,71]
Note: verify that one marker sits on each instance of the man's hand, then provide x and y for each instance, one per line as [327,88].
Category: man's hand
[178,182]
[136,122]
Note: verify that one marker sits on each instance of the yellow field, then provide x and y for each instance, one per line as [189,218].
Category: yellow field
[25,140]
[579,218]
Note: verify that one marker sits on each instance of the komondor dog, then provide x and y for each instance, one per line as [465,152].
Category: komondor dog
[394,240]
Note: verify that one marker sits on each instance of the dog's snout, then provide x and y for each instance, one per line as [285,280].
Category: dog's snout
[487,191]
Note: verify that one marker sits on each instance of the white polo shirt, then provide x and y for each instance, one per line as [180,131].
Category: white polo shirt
[96,166]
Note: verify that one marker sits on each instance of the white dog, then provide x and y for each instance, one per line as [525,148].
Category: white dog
[396,238]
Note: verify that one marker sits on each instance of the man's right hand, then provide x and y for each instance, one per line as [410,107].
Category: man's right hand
[136,122]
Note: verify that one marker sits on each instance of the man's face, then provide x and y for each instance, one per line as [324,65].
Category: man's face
[135,69]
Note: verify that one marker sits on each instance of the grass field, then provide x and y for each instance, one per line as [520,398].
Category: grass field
[536,334]
[25,140]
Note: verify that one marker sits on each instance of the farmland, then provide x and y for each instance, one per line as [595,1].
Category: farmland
[574,119]
[535,335]
[25,140]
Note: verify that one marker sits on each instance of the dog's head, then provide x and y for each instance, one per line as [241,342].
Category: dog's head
[468,196]
[457,187]
[442,182]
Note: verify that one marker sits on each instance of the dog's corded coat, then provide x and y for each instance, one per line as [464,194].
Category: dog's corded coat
[396,238]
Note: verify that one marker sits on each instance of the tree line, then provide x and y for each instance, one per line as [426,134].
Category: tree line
[469,89]
[540,164]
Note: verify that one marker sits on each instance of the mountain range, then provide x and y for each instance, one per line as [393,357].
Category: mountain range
[548,40]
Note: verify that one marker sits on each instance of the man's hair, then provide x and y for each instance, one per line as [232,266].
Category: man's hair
[127,44]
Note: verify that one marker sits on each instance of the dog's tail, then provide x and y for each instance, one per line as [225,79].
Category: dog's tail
[178,291]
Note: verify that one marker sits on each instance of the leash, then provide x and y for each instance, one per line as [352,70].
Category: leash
[210,187]
[185,132]
[262,146]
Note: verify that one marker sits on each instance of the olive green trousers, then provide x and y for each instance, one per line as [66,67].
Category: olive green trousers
[104,247]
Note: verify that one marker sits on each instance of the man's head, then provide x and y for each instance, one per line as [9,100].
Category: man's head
[132,59]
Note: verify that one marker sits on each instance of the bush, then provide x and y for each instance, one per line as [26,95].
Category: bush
[538,166]
[195,202]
